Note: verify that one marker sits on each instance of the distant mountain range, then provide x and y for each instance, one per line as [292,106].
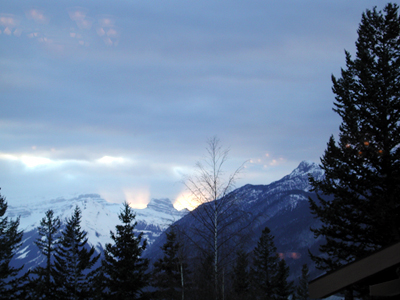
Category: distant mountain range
[99,217]
[281,205]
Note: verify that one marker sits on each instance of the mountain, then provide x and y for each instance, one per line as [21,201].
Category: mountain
[99,217]
[283,207]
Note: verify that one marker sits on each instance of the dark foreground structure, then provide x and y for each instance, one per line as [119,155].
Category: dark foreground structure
[380,271]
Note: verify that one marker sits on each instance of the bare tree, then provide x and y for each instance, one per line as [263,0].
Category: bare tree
[219,219]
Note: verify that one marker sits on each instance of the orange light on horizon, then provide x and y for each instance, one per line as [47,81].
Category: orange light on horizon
[137,197]
[185,200]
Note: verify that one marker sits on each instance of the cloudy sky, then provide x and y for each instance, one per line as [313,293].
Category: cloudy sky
[120,97]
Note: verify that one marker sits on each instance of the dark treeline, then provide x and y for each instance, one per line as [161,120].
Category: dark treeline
[72,269]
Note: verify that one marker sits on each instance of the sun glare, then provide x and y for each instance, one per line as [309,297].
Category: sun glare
[34,161]
[137,198]
[185,200]
[28,160]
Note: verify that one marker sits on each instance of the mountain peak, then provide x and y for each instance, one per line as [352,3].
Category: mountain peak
[161,205]
[299,177]
[305,168]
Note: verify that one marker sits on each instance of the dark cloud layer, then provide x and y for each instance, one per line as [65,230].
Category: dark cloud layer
[120,97]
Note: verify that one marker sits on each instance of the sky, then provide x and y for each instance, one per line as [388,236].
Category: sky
[119,98]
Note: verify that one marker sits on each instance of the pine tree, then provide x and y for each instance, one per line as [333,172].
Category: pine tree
[170,272]
[265,266]
[73,260]
[302,287]
[241,281]
[203,277]
[10,241]
[125,270]
[362,169]
[283,287]
[49,234]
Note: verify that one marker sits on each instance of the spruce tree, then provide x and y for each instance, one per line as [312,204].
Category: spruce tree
[265,267]
[10,241]
[124,268]
[362,169]
[49,234]
[170,272]
[73,260]
[283,287]
[203,277]
[241,280]
[302,287]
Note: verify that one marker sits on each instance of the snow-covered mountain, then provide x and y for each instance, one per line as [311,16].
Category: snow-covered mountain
[99,217]
[283,207]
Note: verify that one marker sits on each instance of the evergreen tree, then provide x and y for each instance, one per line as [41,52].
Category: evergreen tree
[265,267]
[98,281]
[203,277]
[124,268]
[170,272]
[302,287]
[362,170]
[283,287]
[49,235]
[241,282]
[73,260]
[10,241]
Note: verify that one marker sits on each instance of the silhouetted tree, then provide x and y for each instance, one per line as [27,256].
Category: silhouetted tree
[241,275]
[362,169]
[124,269]
[10,241]
[265,267]
[283,287]
[302,287]
[48,238]
[203,280]
[218,212]
[73,261]
[170,272]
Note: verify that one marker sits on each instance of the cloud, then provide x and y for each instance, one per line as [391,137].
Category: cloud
[127,93]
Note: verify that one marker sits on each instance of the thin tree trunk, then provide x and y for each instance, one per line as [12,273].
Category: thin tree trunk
[215,252]
[223,284]
[182,283]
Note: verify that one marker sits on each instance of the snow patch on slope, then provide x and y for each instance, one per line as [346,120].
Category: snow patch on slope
[99,217]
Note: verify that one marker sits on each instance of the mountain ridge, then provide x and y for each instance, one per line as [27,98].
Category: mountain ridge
[281,205]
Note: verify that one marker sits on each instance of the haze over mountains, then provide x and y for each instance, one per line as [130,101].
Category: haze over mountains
[281,205]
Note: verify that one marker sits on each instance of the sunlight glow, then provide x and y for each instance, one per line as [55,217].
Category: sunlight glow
[34,161]
[185,200]
[137,198]
[28,160]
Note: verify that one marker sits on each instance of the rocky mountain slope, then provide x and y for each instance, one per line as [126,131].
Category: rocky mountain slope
[283,207]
